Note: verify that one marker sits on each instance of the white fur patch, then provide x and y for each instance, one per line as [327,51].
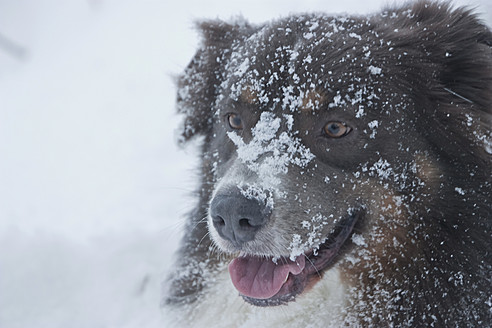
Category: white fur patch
[321,306]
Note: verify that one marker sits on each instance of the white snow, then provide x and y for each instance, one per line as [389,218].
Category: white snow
[358,240]
[93,190]
[251,191]
[355,36]
[269,154]
[360,112]
[381,168]
[373,125]
[375,70]
[459,190]
[242,68]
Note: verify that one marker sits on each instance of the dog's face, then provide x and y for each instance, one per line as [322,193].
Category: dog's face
[310,136]
[339,144]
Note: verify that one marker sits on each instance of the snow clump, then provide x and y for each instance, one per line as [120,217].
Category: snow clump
[269,155]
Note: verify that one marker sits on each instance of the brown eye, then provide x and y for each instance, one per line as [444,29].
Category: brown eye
[336,129]
[235,121]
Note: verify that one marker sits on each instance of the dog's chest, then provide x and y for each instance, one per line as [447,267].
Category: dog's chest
[221,306]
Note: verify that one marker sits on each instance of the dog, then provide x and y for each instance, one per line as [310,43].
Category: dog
[345,175]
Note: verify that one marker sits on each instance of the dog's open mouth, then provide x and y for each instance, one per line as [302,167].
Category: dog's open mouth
[263,282]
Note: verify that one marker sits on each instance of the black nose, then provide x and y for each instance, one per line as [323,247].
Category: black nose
[237,218]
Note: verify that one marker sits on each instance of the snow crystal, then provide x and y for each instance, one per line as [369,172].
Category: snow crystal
[314,25]
[459,190]
[355,36]
[375,70]
[488,146]
[373,125]
[308,35]
[242,68]
[290,121]
[337,101]
[489,302]
[358,240]
[360,112]
[308,59]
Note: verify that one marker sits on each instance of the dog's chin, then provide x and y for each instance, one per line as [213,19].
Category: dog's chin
[261,281]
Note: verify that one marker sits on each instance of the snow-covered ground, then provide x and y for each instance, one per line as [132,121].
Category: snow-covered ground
[93,190]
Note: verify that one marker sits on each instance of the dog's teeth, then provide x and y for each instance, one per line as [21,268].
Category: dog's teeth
[286,278]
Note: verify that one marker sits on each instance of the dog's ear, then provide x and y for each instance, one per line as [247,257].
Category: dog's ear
[446,54]
[460,45]
[197,87]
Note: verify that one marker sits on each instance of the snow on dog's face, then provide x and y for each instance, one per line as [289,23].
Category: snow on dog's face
[339,143]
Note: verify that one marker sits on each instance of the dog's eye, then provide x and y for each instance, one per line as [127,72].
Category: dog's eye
[336,129]
[235,121]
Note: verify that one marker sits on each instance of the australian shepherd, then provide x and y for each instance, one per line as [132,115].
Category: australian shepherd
[345,174]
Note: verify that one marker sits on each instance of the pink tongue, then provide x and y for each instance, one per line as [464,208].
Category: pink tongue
[262,278]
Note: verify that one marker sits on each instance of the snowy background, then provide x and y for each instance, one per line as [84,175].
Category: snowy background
[93,190]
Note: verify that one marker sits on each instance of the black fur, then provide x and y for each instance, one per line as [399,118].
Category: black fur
[433,102]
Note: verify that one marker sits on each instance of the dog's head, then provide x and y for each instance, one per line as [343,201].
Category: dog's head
[320,128]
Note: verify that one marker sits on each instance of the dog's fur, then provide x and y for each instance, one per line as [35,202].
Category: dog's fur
[413,173]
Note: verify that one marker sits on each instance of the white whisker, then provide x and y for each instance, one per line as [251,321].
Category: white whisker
[458,95]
